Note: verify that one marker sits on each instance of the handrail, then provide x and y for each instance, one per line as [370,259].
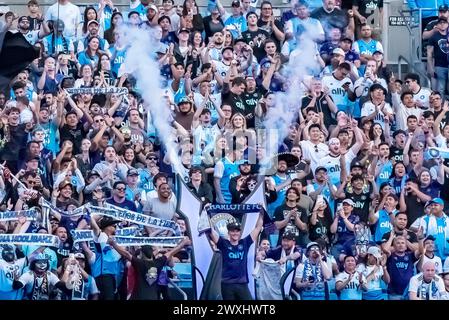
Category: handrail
[413,68]
[175,286]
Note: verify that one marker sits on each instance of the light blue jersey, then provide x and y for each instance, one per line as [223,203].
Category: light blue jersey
[383,224]
[236,25]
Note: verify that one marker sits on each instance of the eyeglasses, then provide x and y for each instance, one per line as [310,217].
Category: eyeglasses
[32,182]
[99,120]
[152,158]
[266,8]
[120,189]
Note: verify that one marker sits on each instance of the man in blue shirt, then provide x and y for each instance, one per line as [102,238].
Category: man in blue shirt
[234,278]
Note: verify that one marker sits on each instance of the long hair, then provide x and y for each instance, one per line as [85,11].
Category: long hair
[85,21]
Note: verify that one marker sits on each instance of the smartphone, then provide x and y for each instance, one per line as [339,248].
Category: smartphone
[320,199]
[339,207]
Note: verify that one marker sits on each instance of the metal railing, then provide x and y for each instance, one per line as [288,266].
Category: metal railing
[412,68]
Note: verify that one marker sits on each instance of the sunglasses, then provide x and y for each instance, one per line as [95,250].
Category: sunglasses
[120,189]
[99,120]
[152,158]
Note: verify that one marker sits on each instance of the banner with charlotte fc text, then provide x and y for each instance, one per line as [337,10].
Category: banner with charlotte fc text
[190,207]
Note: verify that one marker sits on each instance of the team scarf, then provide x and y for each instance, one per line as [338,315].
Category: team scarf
[129,241]
[94,91]
[37,239]
[31,215]
[134,217]
[77,212]
[40,292]
[88,235]
[149,241]
[234,209]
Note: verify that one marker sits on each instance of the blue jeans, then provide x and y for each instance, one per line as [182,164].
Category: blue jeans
[441,77]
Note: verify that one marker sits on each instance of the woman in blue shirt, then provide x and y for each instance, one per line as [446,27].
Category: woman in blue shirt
[91,55]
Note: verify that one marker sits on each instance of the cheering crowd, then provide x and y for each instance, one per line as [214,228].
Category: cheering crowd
[353,158]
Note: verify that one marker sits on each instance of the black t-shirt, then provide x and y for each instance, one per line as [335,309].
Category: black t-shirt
[75,135]
[235,260]
[367,7]
[445,119]
[321,230]
[256,40]
[321,105]
[144,290]
[411,236]
[439,44]
[362,202]
[335,19]
[236,102]
[415,208]
[251,100]
[267,27]
[17,139]
[396,154]
[281,212]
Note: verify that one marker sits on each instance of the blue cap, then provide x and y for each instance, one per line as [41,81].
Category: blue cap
[437,201]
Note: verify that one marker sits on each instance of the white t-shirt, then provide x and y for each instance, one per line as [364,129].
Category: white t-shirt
[402,112]
[427,291]
[436,260]
[376,281]
[423,96]
[69,13]
[332,164]
[353,290]
[314,154]
[28,278]
[369,107]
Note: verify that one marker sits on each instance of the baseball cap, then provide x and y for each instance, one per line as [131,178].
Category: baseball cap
[375,251]
[184,100]
[357,164]
[441,20]
[312,244]
[378,51]
[152,7]
[23,18]
[235,3]
[437,201]
[92,21]
[347,39]
[80,255]
[289,235]
[348,201]
[133,12]
[132,172]
[399,132]
[338,51]
[66,182]
[320,168]
[443,7]
[429,237]
[234,226]
[183,30]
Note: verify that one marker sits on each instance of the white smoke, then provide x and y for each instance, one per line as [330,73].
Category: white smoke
[288,104]
[141,62]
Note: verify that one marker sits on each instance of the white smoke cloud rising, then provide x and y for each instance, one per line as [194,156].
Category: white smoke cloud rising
[288,104]
[141,62]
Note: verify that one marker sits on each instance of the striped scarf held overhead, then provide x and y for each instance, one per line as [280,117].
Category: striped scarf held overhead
[312,271]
